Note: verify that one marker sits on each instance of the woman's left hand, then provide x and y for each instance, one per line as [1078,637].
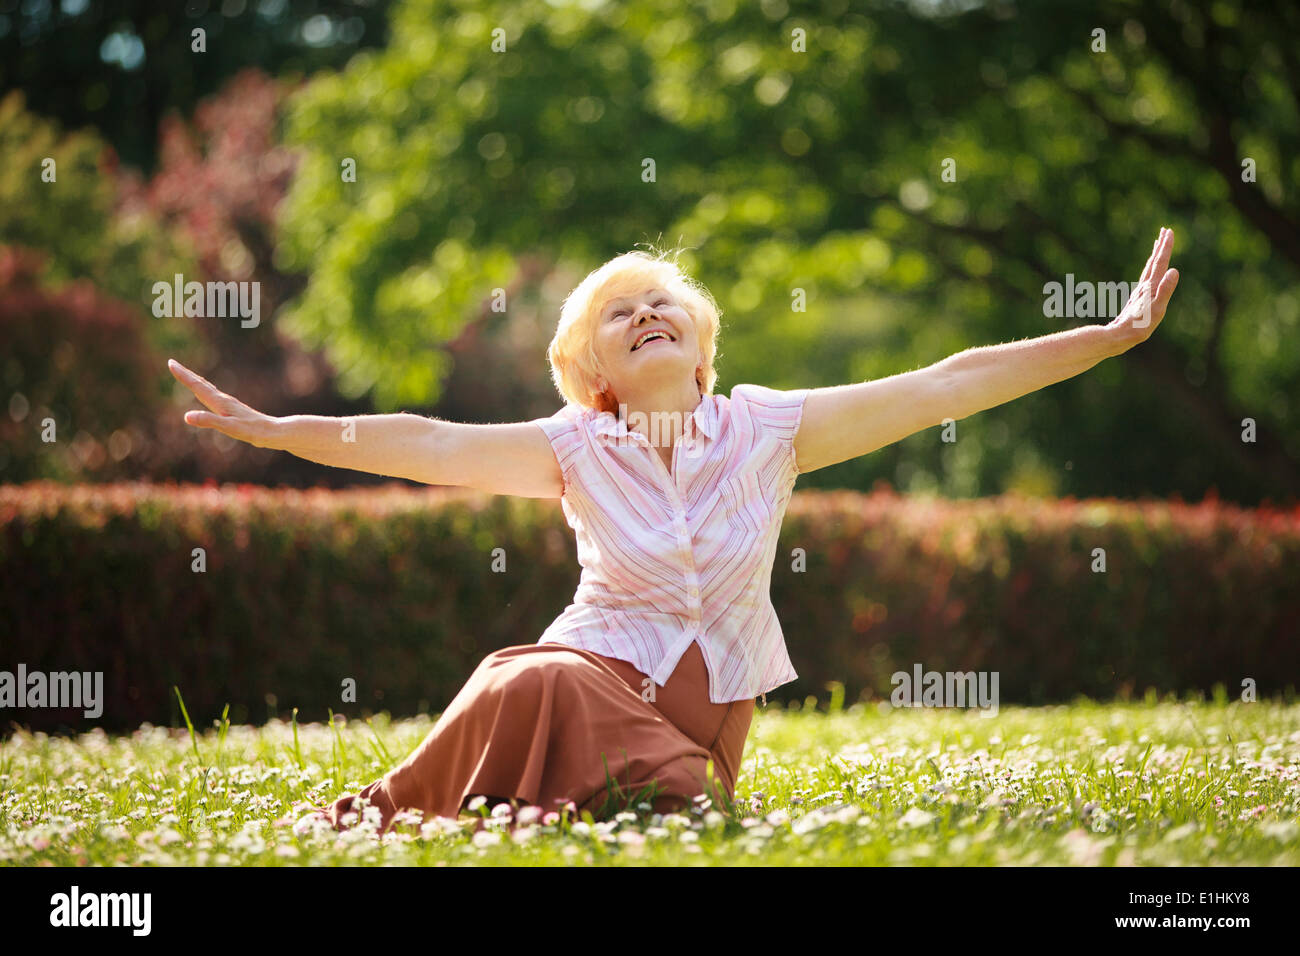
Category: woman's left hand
[1149,299]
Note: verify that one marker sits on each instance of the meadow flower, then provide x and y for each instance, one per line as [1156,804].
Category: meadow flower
[1081,848]
[528,815]
[57,798]
[312,824]
[810,821]
[114,832]
[407,818]
[434,828]
[847,814]
[915,817]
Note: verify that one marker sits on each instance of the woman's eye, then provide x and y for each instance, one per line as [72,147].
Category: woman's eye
[622,312]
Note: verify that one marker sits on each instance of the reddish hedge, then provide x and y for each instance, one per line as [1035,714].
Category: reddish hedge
[395,588]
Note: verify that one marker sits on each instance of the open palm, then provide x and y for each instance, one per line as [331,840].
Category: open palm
[1149,298]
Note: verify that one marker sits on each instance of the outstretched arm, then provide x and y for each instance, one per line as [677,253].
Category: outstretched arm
[846,421]
[509,459]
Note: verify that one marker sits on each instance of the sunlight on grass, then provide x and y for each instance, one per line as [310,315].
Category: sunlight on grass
[1129,784]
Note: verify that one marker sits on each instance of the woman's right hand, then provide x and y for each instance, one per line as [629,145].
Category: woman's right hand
[229,415]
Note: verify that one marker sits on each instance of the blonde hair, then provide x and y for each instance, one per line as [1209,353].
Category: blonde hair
[574,366]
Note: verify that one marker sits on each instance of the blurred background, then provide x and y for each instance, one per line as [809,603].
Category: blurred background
[799,153]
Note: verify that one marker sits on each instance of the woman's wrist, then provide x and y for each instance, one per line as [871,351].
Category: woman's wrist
[275,433]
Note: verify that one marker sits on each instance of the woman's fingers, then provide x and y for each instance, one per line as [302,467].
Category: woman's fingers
[246,428]
[1146,293]
[205,391]
[1163,253]
[1159,285]
[1151,259]
[228,415]
[1167,285]
[1149,297]
[222,423]
[202,419]
[190,379]
[1161,247]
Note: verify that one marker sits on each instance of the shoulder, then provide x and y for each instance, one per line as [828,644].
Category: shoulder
[569,418]
[772,410]
[568,430]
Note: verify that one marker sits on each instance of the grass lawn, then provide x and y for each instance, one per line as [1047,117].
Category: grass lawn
[1152,783]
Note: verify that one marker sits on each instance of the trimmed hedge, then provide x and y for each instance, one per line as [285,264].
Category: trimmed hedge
[395,589]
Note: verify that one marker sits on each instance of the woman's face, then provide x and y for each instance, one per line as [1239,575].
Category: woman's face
[633,362]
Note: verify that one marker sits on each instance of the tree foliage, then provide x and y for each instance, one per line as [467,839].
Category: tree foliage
[821,168]
[82,252]
[121,67]
[81,376]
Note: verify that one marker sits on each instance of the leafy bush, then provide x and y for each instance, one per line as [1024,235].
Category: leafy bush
[395,589]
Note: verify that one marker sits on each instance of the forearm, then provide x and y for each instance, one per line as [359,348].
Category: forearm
[399,445]
[990,375]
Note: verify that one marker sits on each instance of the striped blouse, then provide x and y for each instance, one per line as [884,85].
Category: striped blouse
[672,558]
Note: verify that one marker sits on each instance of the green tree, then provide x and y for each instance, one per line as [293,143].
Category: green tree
[120,67]
[916,178]
[59,194]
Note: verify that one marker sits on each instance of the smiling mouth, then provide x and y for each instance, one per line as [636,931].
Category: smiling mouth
[656,336]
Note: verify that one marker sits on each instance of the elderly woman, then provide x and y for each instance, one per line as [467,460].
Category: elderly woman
[643,689]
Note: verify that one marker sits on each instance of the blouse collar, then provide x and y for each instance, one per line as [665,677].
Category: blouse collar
[705,418]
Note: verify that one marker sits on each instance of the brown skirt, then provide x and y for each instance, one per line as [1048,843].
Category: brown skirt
[546,724]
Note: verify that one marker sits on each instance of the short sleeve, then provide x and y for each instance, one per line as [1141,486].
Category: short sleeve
[566,432]
[772,412]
